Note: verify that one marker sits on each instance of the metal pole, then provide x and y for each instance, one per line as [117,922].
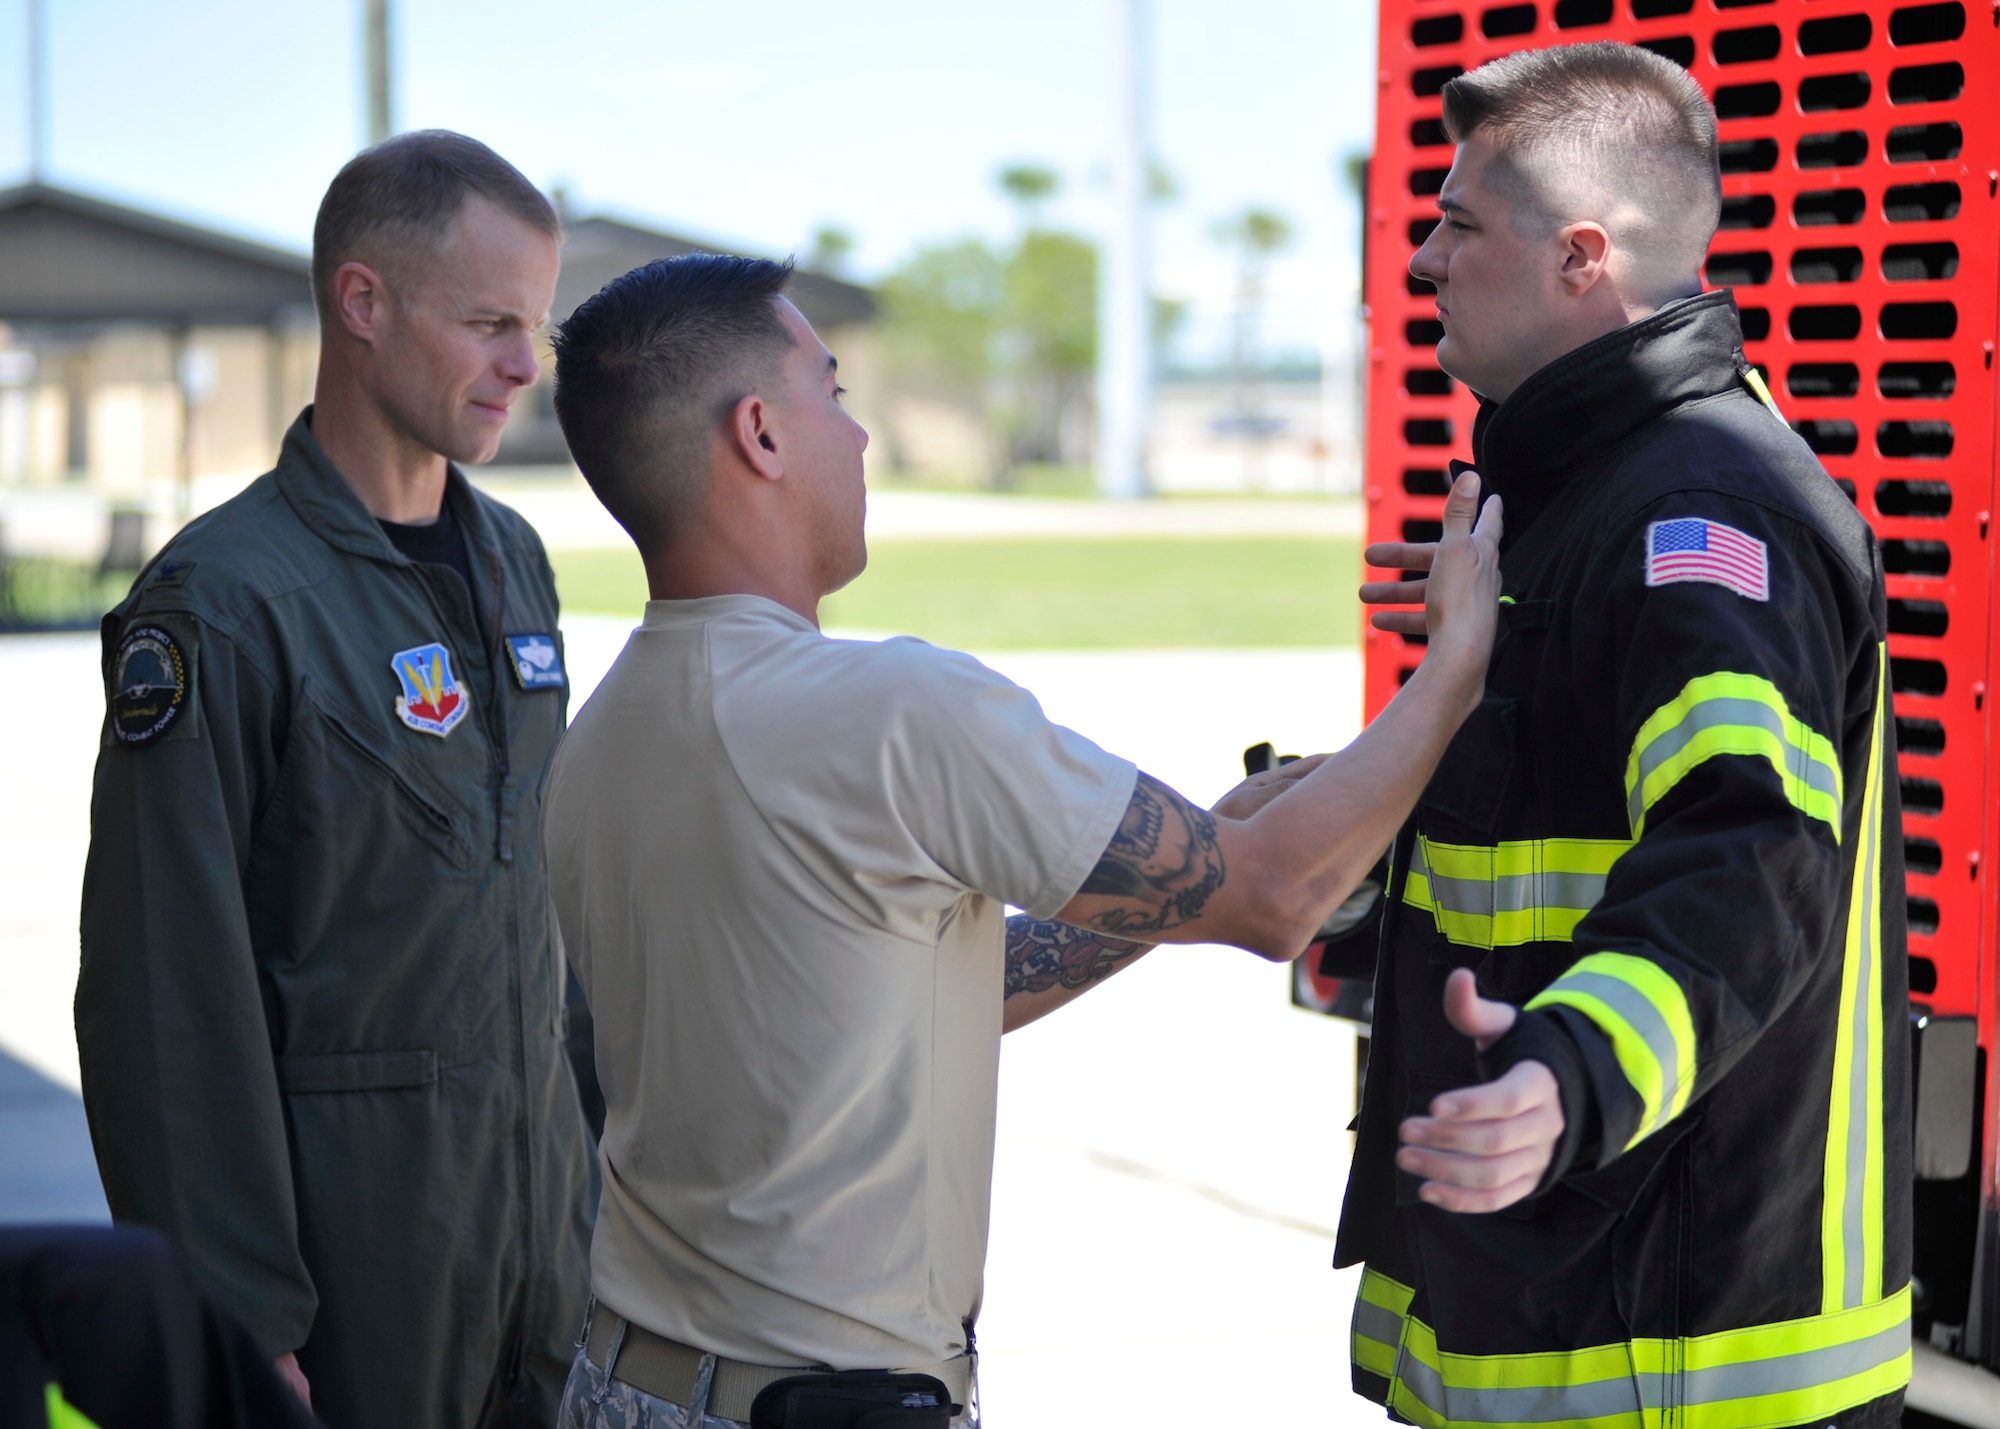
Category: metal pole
[381,121]
[1124,338]
[38,92]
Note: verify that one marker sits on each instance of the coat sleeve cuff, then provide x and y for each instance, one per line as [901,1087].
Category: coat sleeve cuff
[1617,1106]
[1539,1037]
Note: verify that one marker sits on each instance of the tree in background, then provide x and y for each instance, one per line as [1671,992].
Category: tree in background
[1049,326]
[940,333]
[941,318]
[832,246]
[1031,186]
[1010,335]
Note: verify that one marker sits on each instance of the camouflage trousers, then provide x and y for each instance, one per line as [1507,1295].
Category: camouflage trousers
[594,1399]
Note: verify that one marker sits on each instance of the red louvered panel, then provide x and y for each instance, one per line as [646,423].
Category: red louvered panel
[1861,157]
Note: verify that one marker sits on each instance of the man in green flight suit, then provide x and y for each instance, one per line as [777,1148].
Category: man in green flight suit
[321,1006]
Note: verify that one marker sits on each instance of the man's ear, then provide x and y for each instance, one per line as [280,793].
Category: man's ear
[1586,256]
[753,436]
[360,298]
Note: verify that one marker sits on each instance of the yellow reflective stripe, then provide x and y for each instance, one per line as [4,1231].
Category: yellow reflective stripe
[1391,1295]
[61,1413]
[1644,1013]
[1503,895]
[1754,380]
[1732,714]
[1851,1205]
[1790,1372]
[1377,1335]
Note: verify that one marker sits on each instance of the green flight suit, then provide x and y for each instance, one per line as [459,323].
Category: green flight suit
[321,1004]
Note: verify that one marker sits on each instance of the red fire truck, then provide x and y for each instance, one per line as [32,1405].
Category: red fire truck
[1861,234]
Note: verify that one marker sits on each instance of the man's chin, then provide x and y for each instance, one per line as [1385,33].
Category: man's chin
[476,447]
[1447,359]
[848,573]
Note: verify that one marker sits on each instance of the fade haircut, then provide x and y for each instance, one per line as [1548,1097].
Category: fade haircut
[392,206]
[648,369]
[1603,131]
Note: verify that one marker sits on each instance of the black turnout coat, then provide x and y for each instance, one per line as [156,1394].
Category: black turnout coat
[321,1003]
[1670,833]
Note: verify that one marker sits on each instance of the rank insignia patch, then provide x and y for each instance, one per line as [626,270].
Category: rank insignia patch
[537,662]
[149,685]
[432,702]
[1691,549]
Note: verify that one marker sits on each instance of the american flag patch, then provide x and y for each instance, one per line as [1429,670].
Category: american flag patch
[1691,549]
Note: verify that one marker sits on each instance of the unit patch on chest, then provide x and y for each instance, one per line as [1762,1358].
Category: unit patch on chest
[432,702]
[537,661]
[1691,549]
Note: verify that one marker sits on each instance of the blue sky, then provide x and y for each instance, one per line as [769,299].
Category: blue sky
[748,123]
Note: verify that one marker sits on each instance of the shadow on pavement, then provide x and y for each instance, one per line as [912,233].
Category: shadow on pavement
[47,1170]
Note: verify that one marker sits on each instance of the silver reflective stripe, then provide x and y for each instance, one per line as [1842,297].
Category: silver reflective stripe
[1638,1010]
[1515,892]
[1628,1394]
[1806,1369]
[1376,1323]
[1709,714]
[1551,1404]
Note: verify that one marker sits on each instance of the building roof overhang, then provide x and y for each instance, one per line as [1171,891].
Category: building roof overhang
[66,258]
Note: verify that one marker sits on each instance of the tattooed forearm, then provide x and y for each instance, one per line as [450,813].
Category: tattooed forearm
[1043,954]
[1162,867]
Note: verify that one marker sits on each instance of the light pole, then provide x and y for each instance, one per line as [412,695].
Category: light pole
[381,122]
[38,92]
[1124,328]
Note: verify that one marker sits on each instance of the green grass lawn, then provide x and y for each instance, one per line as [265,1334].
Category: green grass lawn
[1131,594]
[57,595]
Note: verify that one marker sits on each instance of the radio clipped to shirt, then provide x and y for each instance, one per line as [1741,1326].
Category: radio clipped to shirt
[853,1399]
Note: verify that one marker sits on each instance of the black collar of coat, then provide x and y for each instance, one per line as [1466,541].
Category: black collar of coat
[327,503]
[1575,410]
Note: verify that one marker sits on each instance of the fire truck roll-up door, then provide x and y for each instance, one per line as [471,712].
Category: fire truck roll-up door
[1861,234]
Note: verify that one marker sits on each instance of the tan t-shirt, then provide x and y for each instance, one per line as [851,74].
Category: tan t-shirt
[780,863]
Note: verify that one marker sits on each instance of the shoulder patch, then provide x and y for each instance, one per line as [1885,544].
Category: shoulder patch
[1690,548]
[152,684]
[537,661]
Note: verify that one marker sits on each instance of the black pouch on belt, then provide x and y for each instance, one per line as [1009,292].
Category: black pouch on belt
[854,1399]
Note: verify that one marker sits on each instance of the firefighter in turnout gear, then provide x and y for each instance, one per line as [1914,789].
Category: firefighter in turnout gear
[1653,1168]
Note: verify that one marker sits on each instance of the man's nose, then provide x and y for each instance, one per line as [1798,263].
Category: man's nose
[518,363]
[1425,263]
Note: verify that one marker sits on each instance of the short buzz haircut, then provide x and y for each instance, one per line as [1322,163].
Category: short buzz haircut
[648,368]
[1604,131]
[392,206]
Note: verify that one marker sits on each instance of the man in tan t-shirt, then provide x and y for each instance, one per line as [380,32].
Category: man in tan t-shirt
[781,865]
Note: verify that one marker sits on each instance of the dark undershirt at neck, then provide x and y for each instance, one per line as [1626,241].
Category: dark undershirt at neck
[442,543]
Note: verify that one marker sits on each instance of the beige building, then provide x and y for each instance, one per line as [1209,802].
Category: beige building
[145,365]
[149,368]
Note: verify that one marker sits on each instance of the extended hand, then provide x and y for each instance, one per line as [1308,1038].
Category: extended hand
[1463,585]
[1260,789]
[1484,1148]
